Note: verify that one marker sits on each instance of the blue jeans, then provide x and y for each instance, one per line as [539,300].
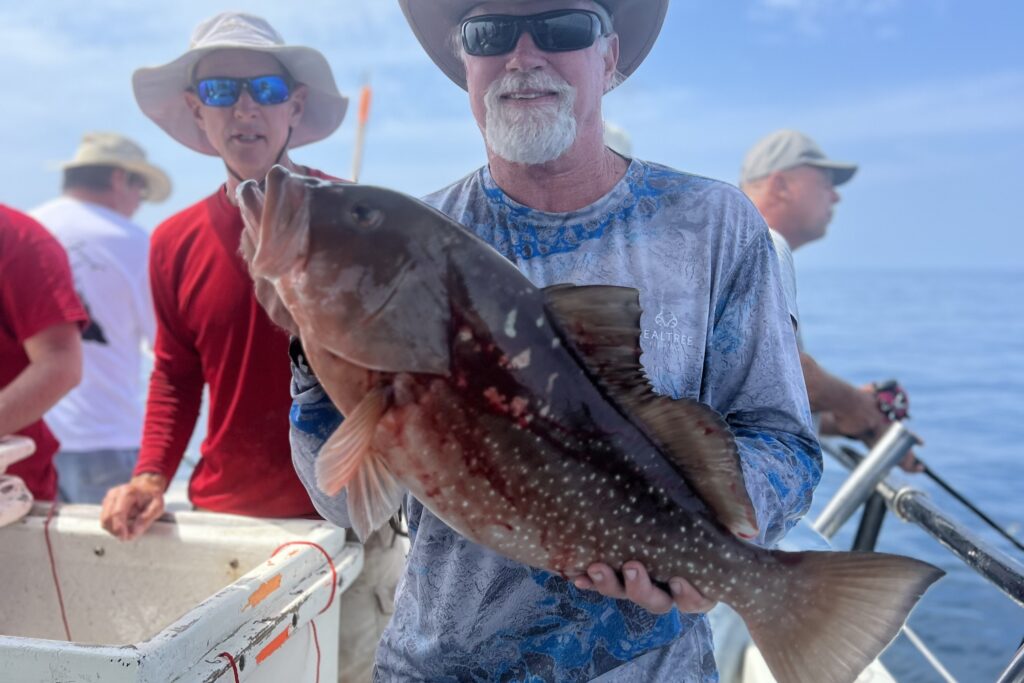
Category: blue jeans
[86,476]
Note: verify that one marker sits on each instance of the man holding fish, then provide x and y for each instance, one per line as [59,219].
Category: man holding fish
[516,423]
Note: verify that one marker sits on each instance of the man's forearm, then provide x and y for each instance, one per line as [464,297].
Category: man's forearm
[825,391]
[37,389]
[847,410]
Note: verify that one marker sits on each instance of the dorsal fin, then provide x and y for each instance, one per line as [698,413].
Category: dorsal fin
[700,444]
[602,324]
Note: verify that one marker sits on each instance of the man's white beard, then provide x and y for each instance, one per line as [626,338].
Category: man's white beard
[529,135]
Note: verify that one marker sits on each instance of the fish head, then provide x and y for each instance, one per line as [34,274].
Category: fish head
[366,266]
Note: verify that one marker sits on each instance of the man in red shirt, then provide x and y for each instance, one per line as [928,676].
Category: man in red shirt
[40,341]
[242,94]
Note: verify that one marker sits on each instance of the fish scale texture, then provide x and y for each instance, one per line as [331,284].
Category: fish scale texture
[714,328]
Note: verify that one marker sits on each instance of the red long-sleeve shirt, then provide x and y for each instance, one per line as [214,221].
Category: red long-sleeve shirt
[211,330]
[36,292]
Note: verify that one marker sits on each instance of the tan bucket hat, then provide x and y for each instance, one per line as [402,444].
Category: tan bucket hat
[160,90]
[637,22]
[111,149]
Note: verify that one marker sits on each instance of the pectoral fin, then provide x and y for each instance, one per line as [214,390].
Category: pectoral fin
[348,461]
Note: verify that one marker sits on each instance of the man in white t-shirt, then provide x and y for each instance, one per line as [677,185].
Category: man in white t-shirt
[793,185]
[99,424]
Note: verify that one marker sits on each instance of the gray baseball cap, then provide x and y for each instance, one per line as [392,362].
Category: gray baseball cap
[786,149]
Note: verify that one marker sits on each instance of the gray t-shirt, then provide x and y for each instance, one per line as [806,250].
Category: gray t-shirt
[714,328]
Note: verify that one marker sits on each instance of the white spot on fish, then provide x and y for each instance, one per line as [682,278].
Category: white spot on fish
[510,323]
[521,361]
[540,321]
[556,342]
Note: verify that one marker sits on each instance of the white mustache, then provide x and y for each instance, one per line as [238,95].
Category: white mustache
[519,81]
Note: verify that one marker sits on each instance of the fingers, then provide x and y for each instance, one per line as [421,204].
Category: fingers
[145,518]
[601,578]
[113,517]
[910,463]
[687,598]
[638,588]
[129,510]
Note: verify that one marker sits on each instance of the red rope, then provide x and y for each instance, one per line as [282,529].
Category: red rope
[330,563]
[53,569]
[330,601]
[231,661]
[316,642]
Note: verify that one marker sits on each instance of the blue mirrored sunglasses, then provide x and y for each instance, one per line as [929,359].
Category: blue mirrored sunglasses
[223,91]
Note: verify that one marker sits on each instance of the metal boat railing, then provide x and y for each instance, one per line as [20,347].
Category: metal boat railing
[870,485]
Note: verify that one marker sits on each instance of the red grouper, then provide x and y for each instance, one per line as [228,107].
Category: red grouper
[522,418]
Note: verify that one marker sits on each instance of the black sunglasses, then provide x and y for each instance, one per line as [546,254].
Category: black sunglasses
[224,91]
[558,31]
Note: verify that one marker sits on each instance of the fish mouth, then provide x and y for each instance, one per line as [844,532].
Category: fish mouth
[250,203]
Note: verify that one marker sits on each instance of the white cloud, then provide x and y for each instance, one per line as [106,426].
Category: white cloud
[814,17]
[918,129]
[987,103]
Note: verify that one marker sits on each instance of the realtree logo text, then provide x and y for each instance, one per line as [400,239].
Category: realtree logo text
[667,334]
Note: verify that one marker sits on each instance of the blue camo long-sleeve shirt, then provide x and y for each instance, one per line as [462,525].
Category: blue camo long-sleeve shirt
[714,328]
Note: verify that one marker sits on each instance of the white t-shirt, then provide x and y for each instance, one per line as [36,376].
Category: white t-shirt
[787,275]
[109,256]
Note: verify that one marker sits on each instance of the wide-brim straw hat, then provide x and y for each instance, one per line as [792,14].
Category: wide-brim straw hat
[111,149]
[637,23]
[160,90]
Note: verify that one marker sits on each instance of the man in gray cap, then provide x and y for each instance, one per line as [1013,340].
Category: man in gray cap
[563,207]
[99,423]
[239,93]
[793,184]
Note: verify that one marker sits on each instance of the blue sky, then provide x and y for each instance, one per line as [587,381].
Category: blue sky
[927,95]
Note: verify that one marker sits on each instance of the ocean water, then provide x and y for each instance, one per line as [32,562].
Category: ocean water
[955,341]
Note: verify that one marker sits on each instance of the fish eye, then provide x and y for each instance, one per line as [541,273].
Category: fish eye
[365,217]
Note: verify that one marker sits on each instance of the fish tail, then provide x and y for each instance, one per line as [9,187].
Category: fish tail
[836,612]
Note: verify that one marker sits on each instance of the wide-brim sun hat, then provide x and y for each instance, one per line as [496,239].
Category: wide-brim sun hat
[160,90]
[111,149]
[637,23]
